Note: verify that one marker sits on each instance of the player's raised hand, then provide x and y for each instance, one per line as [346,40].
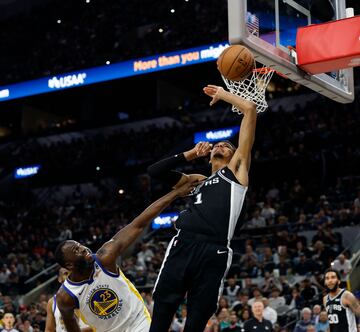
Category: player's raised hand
[202,149]
[213,91]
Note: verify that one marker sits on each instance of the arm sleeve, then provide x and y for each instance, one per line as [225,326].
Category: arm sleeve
[163,170]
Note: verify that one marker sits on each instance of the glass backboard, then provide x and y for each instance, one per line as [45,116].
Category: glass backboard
[268,28]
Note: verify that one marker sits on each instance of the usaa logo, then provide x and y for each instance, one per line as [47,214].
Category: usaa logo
[104,303]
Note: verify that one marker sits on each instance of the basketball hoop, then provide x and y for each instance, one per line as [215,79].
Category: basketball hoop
[252,88]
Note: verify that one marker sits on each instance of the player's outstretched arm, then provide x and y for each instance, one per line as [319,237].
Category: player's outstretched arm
[164,170]
[352,302]
[67,308]
[112,249]
[240,163]
[50,319]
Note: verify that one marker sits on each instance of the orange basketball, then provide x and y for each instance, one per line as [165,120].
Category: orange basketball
[236,62]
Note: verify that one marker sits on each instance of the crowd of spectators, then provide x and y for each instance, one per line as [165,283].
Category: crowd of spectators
[91,33]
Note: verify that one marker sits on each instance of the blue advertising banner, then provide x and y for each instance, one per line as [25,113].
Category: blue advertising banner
[24,172]
[215,135]
[113,71]
[164,220]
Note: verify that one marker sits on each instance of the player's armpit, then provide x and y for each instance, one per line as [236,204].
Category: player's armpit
[352,302]
[240,166]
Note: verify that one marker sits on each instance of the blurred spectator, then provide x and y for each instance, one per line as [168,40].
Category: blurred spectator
[316,310]
[308,291]
[231,290]
[305,321]
[258,322]
[267,211]
[234,325]
[241,302]
[223,318]
[8,322]
[322,254]
[212,325]
[322,325]
[342,265]
[223,304]
[257,220]
[275,300]
[257,296]
[269,313]
[311,328]
[304,265]
[301,249]
[178,323]
[149,302]
[244,316]
[357,203]
[145,255]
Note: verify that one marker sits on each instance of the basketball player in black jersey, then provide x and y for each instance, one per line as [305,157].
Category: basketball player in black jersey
[198,257]
[340,304]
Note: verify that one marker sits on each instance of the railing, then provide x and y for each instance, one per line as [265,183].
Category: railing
[48,270]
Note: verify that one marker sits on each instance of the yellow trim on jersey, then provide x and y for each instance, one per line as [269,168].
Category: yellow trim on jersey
[137,294]
[82,317]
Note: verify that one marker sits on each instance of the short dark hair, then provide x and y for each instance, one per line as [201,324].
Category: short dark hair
[332,270]
[233,147]
[59,254]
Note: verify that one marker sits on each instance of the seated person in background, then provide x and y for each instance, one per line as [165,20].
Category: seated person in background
[305,321]
[275,300]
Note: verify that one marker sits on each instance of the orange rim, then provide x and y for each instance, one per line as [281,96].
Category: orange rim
[265,70]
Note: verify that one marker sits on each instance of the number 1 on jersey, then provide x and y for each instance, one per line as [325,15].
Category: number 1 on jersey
[198,199]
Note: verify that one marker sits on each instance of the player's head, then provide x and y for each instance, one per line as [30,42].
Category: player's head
[63,274]
[222,150]
[73,256]
[332,280]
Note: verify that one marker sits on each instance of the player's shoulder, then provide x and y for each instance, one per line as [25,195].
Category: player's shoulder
[50,301]
[347,296]
[64,299]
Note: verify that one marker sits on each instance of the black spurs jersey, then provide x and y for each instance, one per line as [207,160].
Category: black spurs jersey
[341,318]
[216,206]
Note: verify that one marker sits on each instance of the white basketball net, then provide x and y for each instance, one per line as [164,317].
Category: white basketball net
[252,88]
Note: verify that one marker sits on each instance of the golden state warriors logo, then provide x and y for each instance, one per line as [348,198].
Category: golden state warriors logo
[104,303]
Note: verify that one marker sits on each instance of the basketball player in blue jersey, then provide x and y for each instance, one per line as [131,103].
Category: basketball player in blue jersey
[199,256]
[107,301]
[341,305]
[54,321]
